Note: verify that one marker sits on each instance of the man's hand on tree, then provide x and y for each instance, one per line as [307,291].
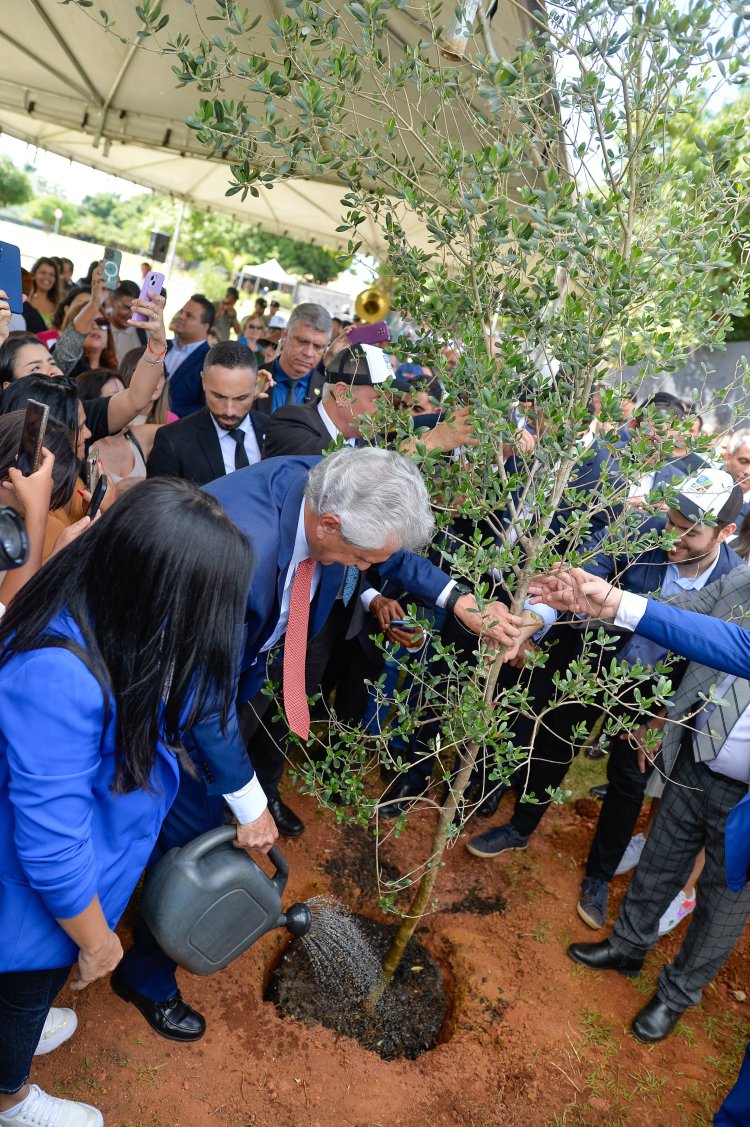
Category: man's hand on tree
[576,590]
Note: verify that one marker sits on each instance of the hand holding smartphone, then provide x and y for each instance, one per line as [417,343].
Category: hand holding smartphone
[111,267]
[153,284]
[32,437]
[98,496]
[92,470]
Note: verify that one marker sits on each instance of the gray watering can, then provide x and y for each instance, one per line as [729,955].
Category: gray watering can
[208,902]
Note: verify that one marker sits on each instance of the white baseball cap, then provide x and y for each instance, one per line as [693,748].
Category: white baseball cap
[709,494]
[276,322]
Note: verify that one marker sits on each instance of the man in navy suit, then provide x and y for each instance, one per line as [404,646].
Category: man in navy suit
[186,354]
[325,519]
[299,369]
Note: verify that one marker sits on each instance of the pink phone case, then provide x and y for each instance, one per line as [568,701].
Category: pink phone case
[153,283]
[376,333]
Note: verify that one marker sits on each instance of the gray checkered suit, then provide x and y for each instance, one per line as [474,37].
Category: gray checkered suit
[692,815]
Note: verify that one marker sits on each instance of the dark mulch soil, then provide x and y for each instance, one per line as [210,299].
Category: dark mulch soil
[408,1019]
[352,866]
[477,904]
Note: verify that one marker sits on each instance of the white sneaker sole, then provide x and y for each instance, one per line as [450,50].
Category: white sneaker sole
[59,1037]
[589,920]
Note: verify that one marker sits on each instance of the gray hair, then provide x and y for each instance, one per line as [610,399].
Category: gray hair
[312,314]
[378,495]
[739,438]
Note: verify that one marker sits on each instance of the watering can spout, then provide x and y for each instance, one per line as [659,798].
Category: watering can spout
[296,919]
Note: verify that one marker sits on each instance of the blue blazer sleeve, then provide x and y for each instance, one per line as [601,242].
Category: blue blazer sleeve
[415,574]
[699,637]
[54,754]
[221,759]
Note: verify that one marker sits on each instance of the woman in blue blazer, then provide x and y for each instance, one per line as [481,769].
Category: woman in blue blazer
[101,670]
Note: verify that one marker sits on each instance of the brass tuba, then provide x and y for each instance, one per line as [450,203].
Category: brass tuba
[371,305]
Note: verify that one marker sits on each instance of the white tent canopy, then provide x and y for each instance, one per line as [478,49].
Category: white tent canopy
[70,86]
[271,271]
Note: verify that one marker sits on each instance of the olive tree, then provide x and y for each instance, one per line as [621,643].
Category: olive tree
[532,218]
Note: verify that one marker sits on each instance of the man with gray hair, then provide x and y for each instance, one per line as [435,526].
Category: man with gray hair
[313,525]
[737,463]
[298,372]
[332,518]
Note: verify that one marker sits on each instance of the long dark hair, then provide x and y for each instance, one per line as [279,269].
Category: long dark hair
[60,393]
[158,588]
[57,440]
[57,290]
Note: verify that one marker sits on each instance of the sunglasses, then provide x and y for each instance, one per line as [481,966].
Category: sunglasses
[102,322]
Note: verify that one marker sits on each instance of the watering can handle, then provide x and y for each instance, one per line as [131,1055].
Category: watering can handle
[196,849]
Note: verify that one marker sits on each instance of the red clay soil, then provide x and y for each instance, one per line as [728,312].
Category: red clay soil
[532,1039]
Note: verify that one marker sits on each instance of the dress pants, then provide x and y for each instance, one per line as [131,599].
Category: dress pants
[692,814]
[620,809]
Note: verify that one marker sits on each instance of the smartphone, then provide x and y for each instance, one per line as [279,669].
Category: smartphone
[153,283]
[112,261]
[10,275]
[98,496]
[92,470]
[407,624]
[376,333]
[32,437]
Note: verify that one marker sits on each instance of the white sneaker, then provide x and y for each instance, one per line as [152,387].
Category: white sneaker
[632,855]
[41,1110]
[60,1024]
[680,907]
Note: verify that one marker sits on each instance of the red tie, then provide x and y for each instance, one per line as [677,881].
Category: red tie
[295,650]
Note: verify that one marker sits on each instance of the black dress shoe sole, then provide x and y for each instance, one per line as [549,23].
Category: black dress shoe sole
[122,992]
[626,972]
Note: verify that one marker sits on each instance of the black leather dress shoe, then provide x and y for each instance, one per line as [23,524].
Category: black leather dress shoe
[655,1021]
[602,956]
[600,790]
[286,820]
[173,1019]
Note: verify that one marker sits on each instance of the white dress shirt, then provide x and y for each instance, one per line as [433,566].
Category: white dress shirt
[331,427]
[229,447]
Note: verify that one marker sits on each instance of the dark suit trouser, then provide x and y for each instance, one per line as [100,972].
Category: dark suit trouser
[692,814]
[620,809]
[552,748]
[735,1111]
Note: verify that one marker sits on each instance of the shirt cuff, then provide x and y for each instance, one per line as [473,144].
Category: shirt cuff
[547,614]
[442,598]
[367,596]
[248,803]
[631,610]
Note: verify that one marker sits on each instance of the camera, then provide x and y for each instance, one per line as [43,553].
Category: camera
[14,543]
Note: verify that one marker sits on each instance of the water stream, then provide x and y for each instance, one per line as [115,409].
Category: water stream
[341,955]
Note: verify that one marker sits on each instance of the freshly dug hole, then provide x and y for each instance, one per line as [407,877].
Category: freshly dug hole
[409,1017]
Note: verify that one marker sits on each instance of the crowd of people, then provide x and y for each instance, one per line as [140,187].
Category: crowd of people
[244,479]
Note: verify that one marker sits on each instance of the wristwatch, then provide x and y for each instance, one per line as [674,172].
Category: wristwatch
[455,594]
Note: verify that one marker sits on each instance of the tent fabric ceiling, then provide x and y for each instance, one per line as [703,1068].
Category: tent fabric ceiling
[71,87]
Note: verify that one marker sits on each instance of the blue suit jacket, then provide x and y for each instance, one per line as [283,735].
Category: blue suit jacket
[64,835]
[185,387]
[720,645]
[265,501]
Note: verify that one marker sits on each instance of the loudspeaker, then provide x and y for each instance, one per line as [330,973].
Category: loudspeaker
[159,248]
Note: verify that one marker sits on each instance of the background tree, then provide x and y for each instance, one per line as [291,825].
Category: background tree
[15,185]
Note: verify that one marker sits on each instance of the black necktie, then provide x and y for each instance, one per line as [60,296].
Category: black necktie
[290,394]
[240,453]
